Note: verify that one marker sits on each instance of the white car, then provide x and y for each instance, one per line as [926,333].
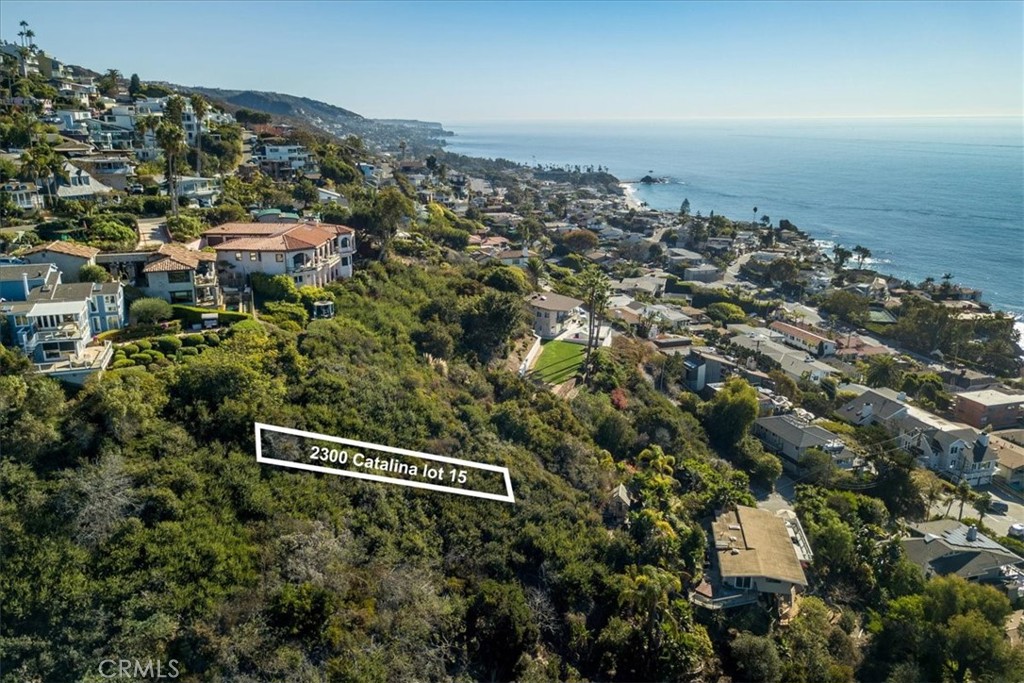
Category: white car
[1016,531]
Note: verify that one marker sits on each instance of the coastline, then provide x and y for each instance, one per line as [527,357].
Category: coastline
[629,192]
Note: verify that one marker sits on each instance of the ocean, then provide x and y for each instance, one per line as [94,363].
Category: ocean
[927,196]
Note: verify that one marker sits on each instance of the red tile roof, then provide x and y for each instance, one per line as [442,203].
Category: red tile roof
[69,248]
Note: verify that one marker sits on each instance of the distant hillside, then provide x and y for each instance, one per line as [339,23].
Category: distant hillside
[277,103]
[420,137]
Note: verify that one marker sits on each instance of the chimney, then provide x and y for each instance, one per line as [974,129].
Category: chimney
[24,284]
[901,397]
[972,533]
[983,439]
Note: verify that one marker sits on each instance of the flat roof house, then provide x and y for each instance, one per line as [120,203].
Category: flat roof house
[989,407]
[754,553]
[550,312]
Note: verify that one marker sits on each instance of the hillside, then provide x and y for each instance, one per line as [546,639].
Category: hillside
[421,137]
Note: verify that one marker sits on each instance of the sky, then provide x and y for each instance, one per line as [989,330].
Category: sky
[479,61]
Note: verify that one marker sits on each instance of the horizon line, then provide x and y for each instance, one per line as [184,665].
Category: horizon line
[839,117]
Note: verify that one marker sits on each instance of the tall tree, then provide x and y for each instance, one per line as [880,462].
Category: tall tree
[200,107]
[964,495]
[841,255]
[390,208]
[863,254]
[171,139]
[134,85]
[595,290]
[684,208]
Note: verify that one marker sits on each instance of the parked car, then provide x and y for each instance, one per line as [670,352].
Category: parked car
[1016,531]
[999,507]
[136,188]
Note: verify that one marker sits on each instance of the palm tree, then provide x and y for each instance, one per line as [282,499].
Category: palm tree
[841,254]
[863,253]
[963,494]
[200,107]
[983,504]
[595,290]
[882,371]
[29,35]
[535,269]
[171,139]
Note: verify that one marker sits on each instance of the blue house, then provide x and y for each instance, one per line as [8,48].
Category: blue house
[57,324]
[18,281]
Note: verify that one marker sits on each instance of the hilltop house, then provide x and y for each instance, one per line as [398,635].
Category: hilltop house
[754,554]
[551,312]
[181,276]
[55,325]
[310,253]
[67,256]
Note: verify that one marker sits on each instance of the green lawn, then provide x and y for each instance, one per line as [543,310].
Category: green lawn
[559,361]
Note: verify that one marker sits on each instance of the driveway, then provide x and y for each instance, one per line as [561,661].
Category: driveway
[152,233]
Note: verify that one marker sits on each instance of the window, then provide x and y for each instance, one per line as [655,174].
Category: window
[92,305]
[238,256]
[279,258]
[252,256]
[344,243]
[344,260]
[179,276]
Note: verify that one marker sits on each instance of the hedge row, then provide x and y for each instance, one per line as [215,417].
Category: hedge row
[193,315]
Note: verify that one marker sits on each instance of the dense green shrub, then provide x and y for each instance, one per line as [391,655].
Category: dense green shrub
[122,363]
[188,351]
[185,228]
[144,344]
[142,358]
[193,339]
[150,310]
[169,345]
[212,338]
[130,349]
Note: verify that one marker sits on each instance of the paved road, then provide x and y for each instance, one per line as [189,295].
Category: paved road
[152,233]
[733,271]
[998,522]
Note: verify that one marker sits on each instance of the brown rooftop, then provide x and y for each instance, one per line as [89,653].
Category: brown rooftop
[69,248]
[762,546]
[549,301]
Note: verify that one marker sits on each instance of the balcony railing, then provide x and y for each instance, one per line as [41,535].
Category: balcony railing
[70,332]
[316,264]
[206,280]
[92,358]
